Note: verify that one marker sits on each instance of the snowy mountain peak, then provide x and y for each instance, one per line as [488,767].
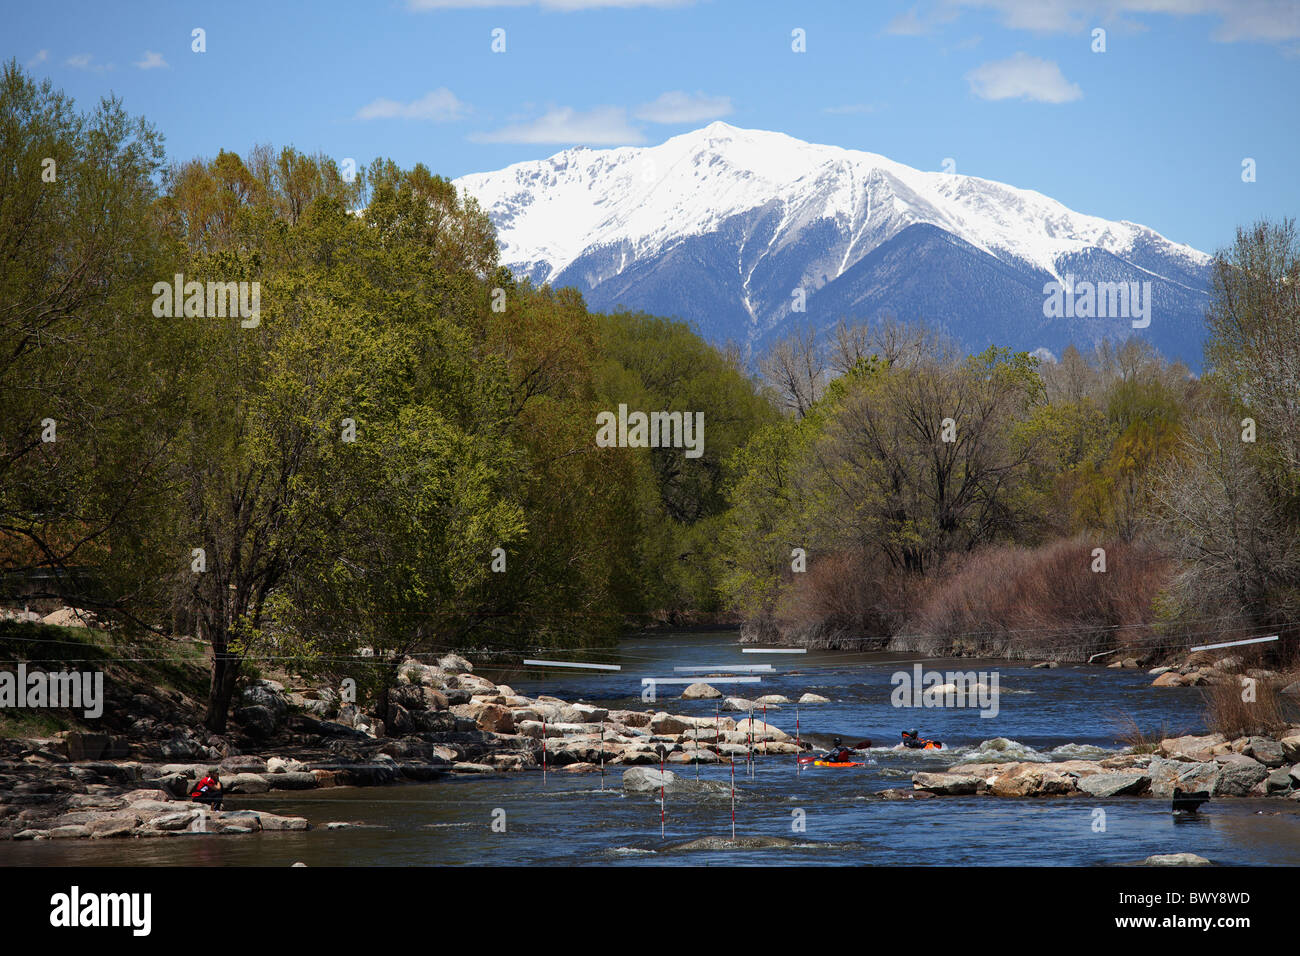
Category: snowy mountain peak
[752,214]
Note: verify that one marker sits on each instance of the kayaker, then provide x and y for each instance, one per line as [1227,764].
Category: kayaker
[838,753]
[912,740]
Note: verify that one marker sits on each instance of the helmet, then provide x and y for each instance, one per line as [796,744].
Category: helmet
[837,741]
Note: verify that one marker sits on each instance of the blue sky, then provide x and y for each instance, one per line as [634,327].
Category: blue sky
[1153,130]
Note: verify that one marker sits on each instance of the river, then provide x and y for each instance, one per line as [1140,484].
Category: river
[580,819]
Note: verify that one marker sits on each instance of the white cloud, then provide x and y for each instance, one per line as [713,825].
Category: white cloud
[1022,77]
[40,57]
[438,106]
[602,126]
[679,107]
[1239,20]
[151,61]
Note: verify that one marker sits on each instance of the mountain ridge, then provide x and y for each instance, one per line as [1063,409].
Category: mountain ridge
[722,225]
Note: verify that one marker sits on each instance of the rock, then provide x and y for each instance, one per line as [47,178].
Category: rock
[113,825]
[1049,665]
[268,694]
[274,822]
[465,766]
[1114,784]
[701,691]
[772,700]
[1192,748]
[455,664]
[947,784]
[649,780]
[1170,679]
[72,831]
[738,704]
[1187,776]
[94,746]
[1239,774]
[469,682]
[245,783]
[583,714]
[1266,750]
[814,699]
[280,765]
[1291,748]
[291,780]
[1176,859]
[400,721]
[662,723]
[760,730]
[243,763]
[1280,782]
[258,721]
[1032,780]
[1291,690]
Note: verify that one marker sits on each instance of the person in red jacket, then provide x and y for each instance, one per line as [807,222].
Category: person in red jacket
[209,790]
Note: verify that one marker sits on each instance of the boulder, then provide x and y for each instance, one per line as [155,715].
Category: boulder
[1291,748]
[455,664]
[947,784]
[649,780]
[1176,859]
[738,704]
[583,714]
[701,691]
[245,783]
[1266,750]
[1170,679]
[1238,775]
[291,780]
[1280,782]
[1186,776]
[258,721]
[1032,780]
[663,723]
[1114,784]
[94,746]
[243,763]
[772,700]
[814,699]
[760,730]
[497,719]
[1197,749]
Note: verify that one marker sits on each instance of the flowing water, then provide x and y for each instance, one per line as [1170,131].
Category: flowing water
[815,816]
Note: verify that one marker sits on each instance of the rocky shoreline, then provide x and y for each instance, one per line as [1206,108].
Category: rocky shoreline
[1245,767]
[442,720]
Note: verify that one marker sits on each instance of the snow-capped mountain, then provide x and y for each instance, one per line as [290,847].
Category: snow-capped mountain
[735,229]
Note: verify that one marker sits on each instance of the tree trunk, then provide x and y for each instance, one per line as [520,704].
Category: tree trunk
[221,689]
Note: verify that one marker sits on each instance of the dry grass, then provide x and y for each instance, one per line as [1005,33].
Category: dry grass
[1143,741]
[1041,603]
[1229,712]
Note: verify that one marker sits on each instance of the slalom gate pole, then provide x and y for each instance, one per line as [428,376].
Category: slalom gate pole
[733,801]
[697,751]
[602,755]
[543,750]
[797,741]
[661,792]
